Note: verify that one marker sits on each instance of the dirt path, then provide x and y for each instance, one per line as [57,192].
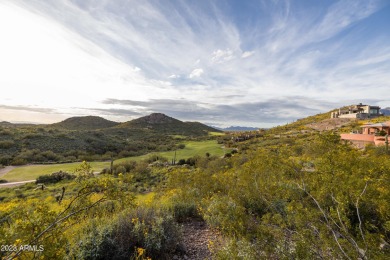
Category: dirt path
[13,184]
[6,169]
[196,241]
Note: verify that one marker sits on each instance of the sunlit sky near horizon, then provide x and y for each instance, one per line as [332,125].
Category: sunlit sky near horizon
[249,63]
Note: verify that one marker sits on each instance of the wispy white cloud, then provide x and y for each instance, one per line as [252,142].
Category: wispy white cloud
[182,50]
[341,15]
[220,56]
[196,73]
[247,54]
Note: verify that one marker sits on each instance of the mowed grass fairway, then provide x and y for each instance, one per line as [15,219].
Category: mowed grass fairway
[31,172]
[192,148]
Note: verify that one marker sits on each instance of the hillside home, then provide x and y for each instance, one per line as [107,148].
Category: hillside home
[357,111]
[375,134]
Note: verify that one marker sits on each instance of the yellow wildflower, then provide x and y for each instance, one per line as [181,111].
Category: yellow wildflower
[140,251]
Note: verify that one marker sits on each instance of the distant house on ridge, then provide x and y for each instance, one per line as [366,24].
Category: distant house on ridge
[359,111]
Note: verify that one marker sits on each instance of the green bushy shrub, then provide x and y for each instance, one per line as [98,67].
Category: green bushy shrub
[154,231]
[55,177]
[225,214]
[6,144]
[184,211]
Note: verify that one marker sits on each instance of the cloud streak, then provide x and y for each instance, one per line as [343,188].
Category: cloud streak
[267,112]
[28,108]
[201,60]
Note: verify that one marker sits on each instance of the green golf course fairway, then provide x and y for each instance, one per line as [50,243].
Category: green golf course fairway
[192,148]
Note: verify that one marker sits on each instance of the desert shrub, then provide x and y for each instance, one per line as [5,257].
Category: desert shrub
[192,161]
[89,157]
[6,144]
[130,165]
[183,211]
[19,193]
[49,156]
[214,164]
[225,214]
[95,242]
[36,155]
[141,170]
[84,171]
[5,132]
[379,150]
[70,158]
[55,177]
[125,167]
[19,161]
[154,231]
[120,169]
[5,159]
[237,249]
[24,222]
[155,158]
[126,153]
[181,162]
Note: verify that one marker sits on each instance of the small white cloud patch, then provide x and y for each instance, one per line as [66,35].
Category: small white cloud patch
[220,56]
[196,73]
[247,54]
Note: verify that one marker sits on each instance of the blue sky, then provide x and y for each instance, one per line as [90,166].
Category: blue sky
[253,63]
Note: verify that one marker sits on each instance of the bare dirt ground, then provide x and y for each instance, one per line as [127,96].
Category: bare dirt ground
[330,124]
[197,239]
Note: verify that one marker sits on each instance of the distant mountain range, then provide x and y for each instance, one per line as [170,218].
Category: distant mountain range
[237,128]
[9,124]
[385,111]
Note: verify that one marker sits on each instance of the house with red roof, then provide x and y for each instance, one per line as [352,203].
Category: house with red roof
[376,134]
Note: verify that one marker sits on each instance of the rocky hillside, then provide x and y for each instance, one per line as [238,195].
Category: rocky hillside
[330,124]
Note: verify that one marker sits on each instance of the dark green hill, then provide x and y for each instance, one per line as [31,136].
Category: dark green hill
[84,123]
[5,123]
[202,127]
[164,124]
[93,138]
